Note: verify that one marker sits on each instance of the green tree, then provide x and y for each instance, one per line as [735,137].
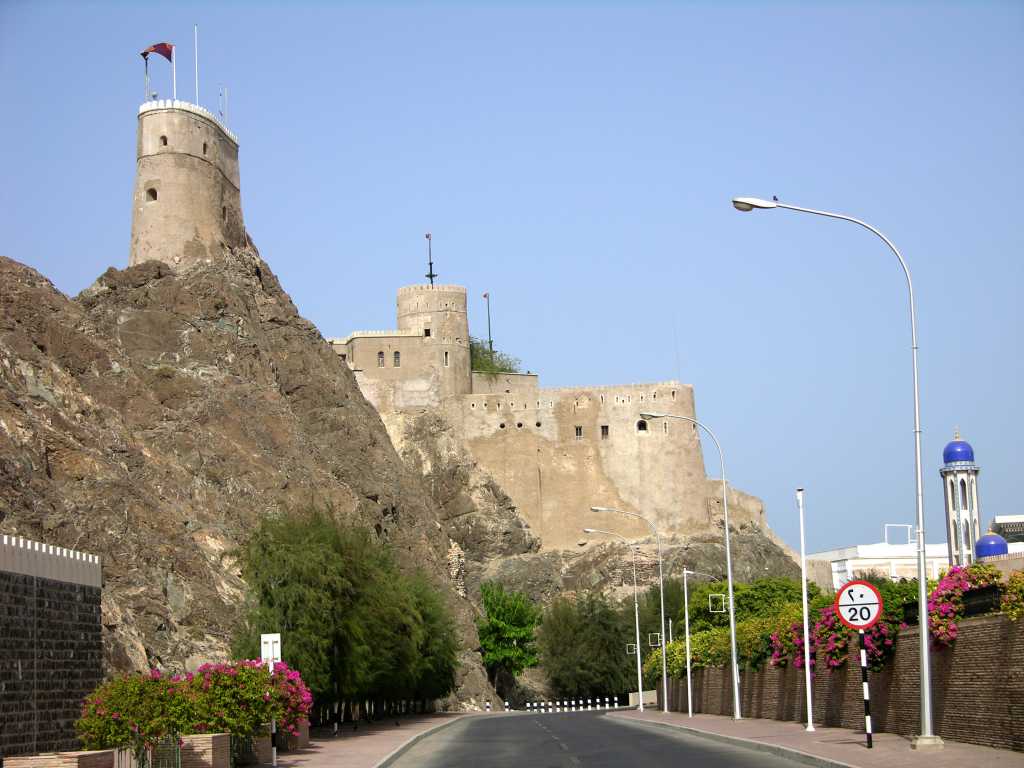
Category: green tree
[507,631]
[353,624]
[583,647]
[482,359]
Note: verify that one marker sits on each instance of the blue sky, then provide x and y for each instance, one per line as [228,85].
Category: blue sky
[577,161]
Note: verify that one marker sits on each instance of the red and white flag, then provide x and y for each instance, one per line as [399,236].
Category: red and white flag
[164,49]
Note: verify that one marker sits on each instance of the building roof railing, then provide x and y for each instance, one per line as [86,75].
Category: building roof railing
[195,109]
[373,334]
[33,558]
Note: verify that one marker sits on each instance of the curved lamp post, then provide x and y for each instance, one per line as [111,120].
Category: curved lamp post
[636,612]
[661,585]
[728,556]
[927,737]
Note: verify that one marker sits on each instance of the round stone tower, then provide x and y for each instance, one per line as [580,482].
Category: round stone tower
[187,203]
[438,314]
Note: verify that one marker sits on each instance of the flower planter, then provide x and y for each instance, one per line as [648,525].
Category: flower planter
[981,600]
[101,758]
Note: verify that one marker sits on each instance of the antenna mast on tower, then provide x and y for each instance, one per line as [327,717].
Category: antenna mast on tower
[430,261]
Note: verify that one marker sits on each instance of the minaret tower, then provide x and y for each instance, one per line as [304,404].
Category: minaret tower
[960,488]
[187,204]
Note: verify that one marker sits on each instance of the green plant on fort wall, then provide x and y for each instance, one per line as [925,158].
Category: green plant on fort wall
[483,360]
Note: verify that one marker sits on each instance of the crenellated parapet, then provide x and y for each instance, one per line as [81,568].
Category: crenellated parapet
[33,558]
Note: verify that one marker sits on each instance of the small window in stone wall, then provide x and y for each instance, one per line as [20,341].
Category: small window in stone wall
[579,432]
[604,431]
[204,147]
[151,195]
[641,426]
[380,359]
[445,359]
[519,425]
[163,141]
[398,359]
[538,425]
[224,212]
[502,425]
[426,332]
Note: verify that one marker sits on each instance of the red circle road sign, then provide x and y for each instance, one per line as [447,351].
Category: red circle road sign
[859,605]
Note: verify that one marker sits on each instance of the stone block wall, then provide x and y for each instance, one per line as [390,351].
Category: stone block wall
[51,654]
[977,689]
[103,758]
[209,750]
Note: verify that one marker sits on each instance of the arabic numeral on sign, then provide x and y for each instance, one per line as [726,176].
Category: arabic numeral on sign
[858,612]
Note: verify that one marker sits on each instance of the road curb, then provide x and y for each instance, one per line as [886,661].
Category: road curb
[389,759]
[758,746]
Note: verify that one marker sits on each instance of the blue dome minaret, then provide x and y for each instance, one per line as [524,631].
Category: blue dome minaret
[960,488]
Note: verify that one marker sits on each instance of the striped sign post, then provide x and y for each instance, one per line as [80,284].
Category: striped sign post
[864,680]
[859,606]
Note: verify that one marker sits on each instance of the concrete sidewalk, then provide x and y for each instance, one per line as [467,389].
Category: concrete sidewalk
[368,747]
[829,746]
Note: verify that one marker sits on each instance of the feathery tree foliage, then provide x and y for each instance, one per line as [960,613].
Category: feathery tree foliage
[351,622]
[583,646]
[507,630]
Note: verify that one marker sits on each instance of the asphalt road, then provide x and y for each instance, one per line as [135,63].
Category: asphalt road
[570,740]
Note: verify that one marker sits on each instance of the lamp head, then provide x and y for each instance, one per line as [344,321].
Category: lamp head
[653,415]
[750,203]
[603,509]
[589,530]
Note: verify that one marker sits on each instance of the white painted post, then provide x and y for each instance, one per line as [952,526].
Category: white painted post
[506,706]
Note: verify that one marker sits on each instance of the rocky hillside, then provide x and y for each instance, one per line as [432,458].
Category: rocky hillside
[155,417]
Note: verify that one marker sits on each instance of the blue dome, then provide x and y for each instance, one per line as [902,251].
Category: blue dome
[958,450]
[990,544]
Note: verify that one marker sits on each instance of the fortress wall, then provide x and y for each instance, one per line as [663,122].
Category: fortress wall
[504,383]
[189,162]
[554,475]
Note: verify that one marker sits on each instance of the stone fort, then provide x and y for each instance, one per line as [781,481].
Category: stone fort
[555,452]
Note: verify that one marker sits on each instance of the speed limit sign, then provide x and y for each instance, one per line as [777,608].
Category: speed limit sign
[859,605]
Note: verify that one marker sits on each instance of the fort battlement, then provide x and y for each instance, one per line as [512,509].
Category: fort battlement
[431,288]
[195,109]
[376,334]
[612,388]
[33,558]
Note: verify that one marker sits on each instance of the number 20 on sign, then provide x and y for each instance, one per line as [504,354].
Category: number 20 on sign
[859,605]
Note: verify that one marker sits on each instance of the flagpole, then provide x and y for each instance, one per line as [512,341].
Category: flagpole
[195,29]
[146,60]
[174,74]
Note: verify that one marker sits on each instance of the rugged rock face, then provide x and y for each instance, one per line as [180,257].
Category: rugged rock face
[608,566]
[157,416]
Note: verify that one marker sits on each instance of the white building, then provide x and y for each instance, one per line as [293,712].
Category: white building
[897,561]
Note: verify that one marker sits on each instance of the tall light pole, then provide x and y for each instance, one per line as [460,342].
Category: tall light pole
[728,556]
[686,621]
[927,737]
[636,613]
[807,622]
[661,585]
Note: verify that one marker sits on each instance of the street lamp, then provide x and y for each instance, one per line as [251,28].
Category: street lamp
[686,621]
[927,737]
[807,622]
[661,585]
[728,557]
[636,613]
